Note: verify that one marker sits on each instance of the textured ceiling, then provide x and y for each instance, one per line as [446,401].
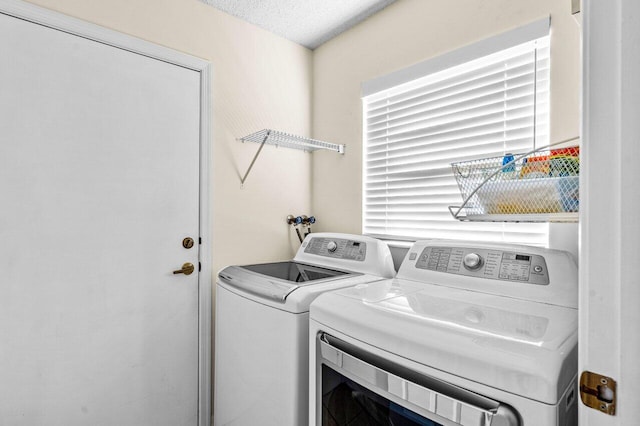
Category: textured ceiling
[307,22]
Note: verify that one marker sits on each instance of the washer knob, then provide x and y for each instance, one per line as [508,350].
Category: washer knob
[332,246]
[472,261]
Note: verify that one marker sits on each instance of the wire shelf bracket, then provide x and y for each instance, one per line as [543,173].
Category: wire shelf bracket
[286,140]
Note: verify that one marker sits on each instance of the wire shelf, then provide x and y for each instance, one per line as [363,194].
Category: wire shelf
[538,186]
[274,137]
[286,140]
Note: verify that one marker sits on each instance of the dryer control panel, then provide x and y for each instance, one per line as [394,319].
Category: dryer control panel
[485,263]
[337,248]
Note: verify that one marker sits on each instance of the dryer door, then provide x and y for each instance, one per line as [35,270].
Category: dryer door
[358,387]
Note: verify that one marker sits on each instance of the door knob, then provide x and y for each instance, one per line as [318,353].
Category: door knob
[187,269]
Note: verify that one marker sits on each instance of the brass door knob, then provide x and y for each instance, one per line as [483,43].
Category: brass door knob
[187,269]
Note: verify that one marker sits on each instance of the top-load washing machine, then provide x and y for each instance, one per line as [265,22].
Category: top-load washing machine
[466,334]
[262,325]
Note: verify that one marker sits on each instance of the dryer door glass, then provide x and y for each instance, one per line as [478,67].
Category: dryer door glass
[345,402]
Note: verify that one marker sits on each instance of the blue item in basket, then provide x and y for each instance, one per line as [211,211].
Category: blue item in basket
[508,158]
[568,188]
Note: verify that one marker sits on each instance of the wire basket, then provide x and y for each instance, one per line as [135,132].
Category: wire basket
[538,186]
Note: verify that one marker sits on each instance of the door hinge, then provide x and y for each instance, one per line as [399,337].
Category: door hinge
[199,266]
[598,392]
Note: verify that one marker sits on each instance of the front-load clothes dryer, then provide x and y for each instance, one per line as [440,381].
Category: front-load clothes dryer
[466,334]
[262,325]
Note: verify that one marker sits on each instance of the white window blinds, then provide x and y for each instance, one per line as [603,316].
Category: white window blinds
[414,130]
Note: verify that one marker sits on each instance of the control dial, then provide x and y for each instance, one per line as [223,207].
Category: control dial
[472,261]
[332,246]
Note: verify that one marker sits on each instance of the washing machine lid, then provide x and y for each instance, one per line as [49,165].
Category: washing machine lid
[294,272]
[526,348]
[275,281]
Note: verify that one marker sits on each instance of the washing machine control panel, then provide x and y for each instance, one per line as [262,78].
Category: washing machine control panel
[337,248]
[486,263]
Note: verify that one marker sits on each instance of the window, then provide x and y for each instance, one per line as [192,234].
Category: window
[483,100]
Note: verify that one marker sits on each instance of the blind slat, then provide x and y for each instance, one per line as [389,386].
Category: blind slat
[481,122]
[505,98]
[486,144]
[486,83]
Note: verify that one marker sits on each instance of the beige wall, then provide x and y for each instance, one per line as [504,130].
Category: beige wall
[407,32]
[259,81]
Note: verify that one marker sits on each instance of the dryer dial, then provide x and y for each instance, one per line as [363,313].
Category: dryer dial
[332,246]
[472,261]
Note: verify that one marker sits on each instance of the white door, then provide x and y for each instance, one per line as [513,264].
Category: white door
[99,184]
[609,206]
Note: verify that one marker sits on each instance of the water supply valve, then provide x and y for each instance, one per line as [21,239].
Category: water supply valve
[303,220]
